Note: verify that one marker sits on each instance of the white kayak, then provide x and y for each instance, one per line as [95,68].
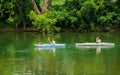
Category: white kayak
[94,44]
[49,45]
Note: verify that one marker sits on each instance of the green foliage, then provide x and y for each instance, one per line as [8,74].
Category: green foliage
[10,20]
[88,13]
[107,19]
[6,12]
[91,14]
[44,21]
[83,15]
[60,17]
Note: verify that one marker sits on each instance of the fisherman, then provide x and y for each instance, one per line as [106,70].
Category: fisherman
[98,40]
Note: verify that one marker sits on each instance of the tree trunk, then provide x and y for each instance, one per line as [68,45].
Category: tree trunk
[21,13]
[34,5]
[46,5]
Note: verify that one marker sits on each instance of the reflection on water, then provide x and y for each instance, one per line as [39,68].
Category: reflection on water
[16,67]
[98,49]
[51,49]
[19,56]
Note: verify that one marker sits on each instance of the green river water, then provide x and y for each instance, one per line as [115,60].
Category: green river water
[19,56]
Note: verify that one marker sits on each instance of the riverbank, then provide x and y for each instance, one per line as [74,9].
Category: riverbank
[62,30]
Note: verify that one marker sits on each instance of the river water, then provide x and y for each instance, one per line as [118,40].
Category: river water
[19,56]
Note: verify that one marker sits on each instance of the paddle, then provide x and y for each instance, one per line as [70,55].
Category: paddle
[49,39]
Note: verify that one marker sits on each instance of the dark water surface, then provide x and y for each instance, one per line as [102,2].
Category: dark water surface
[19,56]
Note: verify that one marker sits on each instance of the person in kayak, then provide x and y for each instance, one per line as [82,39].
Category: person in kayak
[53,42]
[98,40]
[40,43]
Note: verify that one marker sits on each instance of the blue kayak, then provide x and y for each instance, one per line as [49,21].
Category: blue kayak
[49,45]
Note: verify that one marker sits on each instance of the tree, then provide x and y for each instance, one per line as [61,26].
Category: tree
[35,7]
[46,5]
[6,13]
[38,23]
[21,13]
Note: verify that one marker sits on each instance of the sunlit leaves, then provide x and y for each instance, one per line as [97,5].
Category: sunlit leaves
[43,21]
[10,20]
